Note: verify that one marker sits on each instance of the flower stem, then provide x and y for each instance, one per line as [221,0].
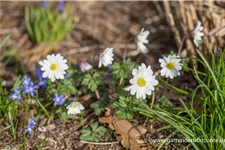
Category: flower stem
[82,119]
[42,107]
[182,43]
[97,94]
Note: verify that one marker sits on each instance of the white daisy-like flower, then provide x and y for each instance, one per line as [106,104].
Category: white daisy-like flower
[171,66]
[143,81]
[197,33]
[106,57]
[54,67]
[141,40]
[74,108]
[85,66]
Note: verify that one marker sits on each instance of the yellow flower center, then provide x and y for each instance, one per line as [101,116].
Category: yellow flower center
[139,41]
[196,33]
[75,106]
[170,65]
[141,82]
[53,67]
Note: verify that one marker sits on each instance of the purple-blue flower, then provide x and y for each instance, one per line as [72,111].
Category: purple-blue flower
[28,86]
[217,54]
[31,89]
[67,75]
[61,6]
[15,94]
[26,81]
[31,125]
[42,81]
[29,128]
[33,121]
[44,4]
[58,100]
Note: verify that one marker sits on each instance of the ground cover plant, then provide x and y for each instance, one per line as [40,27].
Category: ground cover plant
[50,99]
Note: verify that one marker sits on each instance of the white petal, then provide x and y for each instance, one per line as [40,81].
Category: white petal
[45,74]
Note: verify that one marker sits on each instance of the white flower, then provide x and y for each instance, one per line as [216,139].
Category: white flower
[85,66]
[106,57]
[54,67]
[197,33]
[170,66]
[141,40]
[74,108]
[143,81]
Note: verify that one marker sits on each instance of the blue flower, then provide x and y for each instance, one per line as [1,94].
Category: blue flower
[58,100]
[44,4]
[31,125]
[29,128]
[34,120]
[42,81]
[217,54]
[28,86]
[26,81]
[61,6]
[15,94]
[39,72]
[31,89]
[67,75]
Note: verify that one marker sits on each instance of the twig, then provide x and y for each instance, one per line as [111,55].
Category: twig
[99,143]
[125,53]
[124,57]
[81,49]
[174,29]
[153,101]
[92,69]
[181,45]
[85,121]
[167,9]
[97,94]
[159,9]
[146,120]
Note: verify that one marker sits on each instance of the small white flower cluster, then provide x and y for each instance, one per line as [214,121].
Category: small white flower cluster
[85,66]
[141,40]
[54,67]
[143,82]
[197,33]
[170,66]
[106,57]
[74,108]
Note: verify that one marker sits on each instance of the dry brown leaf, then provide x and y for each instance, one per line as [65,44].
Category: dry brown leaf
[127,133]
[108,111]
[109,120]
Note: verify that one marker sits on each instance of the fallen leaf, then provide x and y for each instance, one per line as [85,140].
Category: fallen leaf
[126,133]
[109,120]
[130,134]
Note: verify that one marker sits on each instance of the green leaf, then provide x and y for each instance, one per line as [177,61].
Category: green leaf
[69,89]
[124,107]
[93,133]
[65,116]
[122,70]
[46,25]
[99,106]
[91,81]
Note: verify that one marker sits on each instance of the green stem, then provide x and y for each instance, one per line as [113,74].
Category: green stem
[42,107]
[82,119]
[178,90]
